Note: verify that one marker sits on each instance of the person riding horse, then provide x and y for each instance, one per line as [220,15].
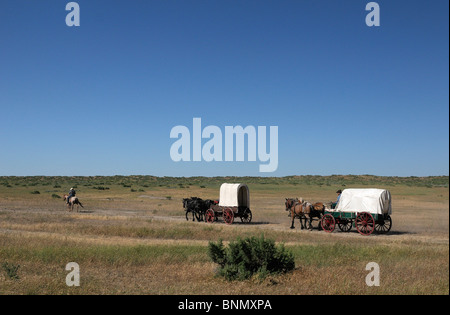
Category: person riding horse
[72,193]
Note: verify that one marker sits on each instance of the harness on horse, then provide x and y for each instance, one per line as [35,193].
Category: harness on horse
[304,204]
[291,208]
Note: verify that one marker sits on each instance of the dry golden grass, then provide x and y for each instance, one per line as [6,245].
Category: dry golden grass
[140,243]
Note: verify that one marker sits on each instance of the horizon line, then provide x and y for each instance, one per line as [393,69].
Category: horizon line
[221,176]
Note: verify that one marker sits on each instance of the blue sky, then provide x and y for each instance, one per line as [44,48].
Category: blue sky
[102,98]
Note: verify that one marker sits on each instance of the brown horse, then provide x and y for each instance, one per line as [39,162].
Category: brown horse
[73,201]
[304,211]
[319,211]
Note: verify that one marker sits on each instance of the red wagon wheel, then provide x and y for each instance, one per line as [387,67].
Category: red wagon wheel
[328,223]
[209,216]
[365,224]
[228,216]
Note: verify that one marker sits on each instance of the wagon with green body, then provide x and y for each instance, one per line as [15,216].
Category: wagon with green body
[367,210]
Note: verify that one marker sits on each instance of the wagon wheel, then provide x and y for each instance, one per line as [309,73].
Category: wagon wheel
[328,223]
[365,224]
[384,226]
[228,216]
[345,225]
[246,217]
[210,216]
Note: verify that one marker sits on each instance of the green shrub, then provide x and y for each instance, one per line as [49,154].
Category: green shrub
[247,257]
[56,196]
[11,270]
[100,188]
[36,192]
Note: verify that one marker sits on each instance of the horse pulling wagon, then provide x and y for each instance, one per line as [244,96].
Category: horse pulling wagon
[234,202]
[368,210]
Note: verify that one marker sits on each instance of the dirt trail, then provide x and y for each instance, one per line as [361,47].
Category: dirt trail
[394,237]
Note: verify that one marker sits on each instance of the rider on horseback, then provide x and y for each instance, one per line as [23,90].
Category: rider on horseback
[72,193]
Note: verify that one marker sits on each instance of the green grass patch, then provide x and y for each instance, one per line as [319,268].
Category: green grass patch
[61,254]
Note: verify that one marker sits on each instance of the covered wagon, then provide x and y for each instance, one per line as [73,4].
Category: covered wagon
[368,210]
[234,202]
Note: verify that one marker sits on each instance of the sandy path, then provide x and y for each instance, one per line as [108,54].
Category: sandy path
[394,237]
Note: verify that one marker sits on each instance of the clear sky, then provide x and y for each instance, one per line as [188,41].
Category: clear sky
[102,98]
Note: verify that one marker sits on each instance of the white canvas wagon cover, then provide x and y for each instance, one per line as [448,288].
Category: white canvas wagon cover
[376,201]
[234,195]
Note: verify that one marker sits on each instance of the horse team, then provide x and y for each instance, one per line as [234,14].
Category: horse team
[197,207]
[304,211]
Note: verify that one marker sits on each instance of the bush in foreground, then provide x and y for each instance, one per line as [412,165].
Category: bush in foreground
[11,270]
[244,258]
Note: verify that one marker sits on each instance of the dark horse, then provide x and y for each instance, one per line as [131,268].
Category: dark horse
[304,211]
[197,206]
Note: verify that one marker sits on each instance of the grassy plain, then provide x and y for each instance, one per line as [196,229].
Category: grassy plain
[132,237]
